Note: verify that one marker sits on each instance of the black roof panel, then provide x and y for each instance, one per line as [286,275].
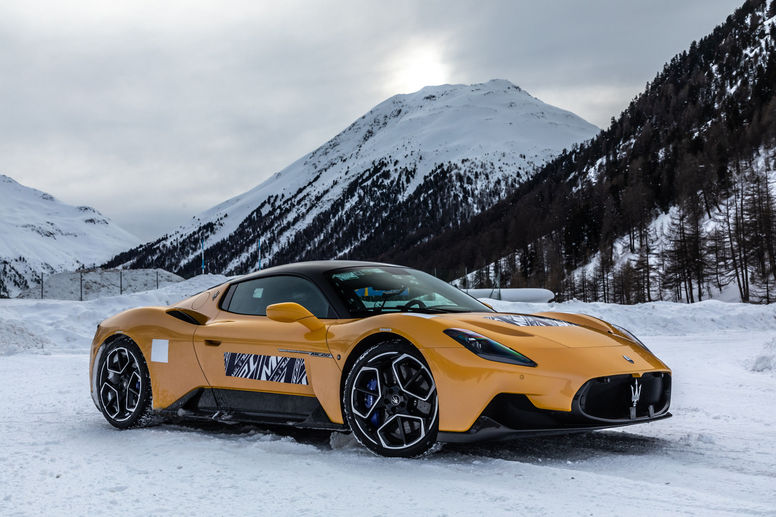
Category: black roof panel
[312,267]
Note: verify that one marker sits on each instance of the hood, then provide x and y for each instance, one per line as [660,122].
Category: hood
[540,330]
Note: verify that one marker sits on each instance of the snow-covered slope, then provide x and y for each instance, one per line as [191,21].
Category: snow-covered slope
[699,144]
[721,282]
[40,234]
[423,160]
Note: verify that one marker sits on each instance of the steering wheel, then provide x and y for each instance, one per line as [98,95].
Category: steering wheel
[410,303]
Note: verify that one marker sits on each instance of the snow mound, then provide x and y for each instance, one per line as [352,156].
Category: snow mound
[45,326]
[766,362]
[16,337]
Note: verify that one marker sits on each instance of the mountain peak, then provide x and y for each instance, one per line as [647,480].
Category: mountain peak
[493,84]
[435,92]
[463,145]
[42,234]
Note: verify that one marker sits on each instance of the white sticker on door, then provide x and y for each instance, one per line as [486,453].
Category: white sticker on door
[159,349]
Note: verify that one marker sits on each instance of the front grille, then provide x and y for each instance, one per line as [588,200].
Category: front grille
[612,398]
[600,402]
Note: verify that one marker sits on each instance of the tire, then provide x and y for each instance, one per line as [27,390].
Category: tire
[124,386]
[390,401]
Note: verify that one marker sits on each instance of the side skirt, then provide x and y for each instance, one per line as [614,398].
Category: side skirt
[230,406]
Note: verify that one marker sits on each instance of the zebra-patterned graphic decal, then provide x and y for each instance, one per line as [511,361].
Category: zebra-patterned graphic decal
[265,368]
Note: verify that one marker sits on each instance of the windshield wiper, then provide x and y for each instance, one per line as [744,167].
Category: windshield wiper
[425,310]
[450,308]
[389,294]
[421,310]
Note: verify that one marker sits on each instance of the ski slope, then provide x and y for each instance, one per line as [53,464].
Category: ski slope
[714,457]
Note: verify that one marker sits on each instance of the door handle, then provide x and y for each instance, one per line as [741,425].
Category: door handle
[212,342]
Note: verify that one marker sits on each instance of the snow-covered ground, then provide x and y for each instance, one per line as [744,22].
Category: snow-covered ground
[714,457]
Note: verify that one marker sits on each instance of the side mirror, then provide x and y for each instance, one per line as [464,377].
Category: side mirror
[290,312]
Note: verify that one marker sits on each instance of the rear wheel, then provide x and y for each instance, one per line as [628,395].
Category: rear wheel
[390,401]
[123,385]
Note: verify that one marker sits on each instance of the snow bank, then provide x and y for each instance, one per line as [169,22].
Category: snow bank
[45,326]
[58,325]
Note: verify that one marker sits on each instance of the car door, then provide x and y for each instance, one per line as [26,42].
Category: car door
[254,363]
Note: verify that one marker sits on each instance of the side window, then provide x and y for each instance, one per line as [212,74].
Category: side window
[253,296]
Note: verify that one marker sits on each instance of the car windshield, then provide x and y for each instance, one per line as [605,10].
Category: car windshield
[374,290]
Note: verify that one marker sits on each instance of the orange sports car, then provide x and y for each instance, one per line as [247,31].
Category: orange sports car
[399,358]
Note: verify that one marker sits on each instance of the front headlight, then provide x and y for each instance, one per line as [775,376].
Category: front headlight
[487,348]
[630,335]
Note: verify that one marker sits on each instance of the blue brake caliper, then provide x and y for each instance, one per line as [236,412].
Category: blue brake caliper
[370,400]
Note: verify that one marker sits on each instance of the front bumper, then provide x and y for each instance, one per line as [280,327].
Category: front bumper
[600,403]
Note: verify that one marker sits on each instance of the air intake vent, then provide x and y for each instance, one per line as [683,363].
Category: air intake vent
[188,318]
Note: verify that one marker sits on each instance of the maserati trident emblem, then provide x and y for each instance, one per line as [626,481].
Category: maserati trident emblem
[628,359]
[635,392]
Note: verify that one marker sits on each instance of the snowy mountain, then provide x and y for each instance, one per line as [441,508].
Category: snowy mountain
[39,234]
[412,166]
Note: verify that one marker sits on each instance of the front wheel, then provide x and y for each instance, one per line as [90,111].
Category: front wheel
[390,401]
[123,385]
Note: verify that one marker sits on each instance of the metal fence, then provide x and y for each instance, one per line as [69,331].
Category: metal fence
[91,284]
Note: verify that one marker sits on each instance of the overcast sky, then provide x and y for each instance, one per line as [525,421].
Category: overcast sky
[154,111]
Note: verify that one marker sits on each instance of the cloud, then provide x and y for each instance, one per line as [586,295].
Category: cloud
[153,112]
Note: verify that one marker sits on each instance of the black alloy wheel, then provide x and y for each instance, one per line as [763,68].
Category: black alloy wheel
[123,385]
[390,401]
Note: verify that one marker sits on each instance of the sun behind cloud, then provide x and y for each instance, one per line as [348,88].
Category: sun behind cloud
[416,66]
